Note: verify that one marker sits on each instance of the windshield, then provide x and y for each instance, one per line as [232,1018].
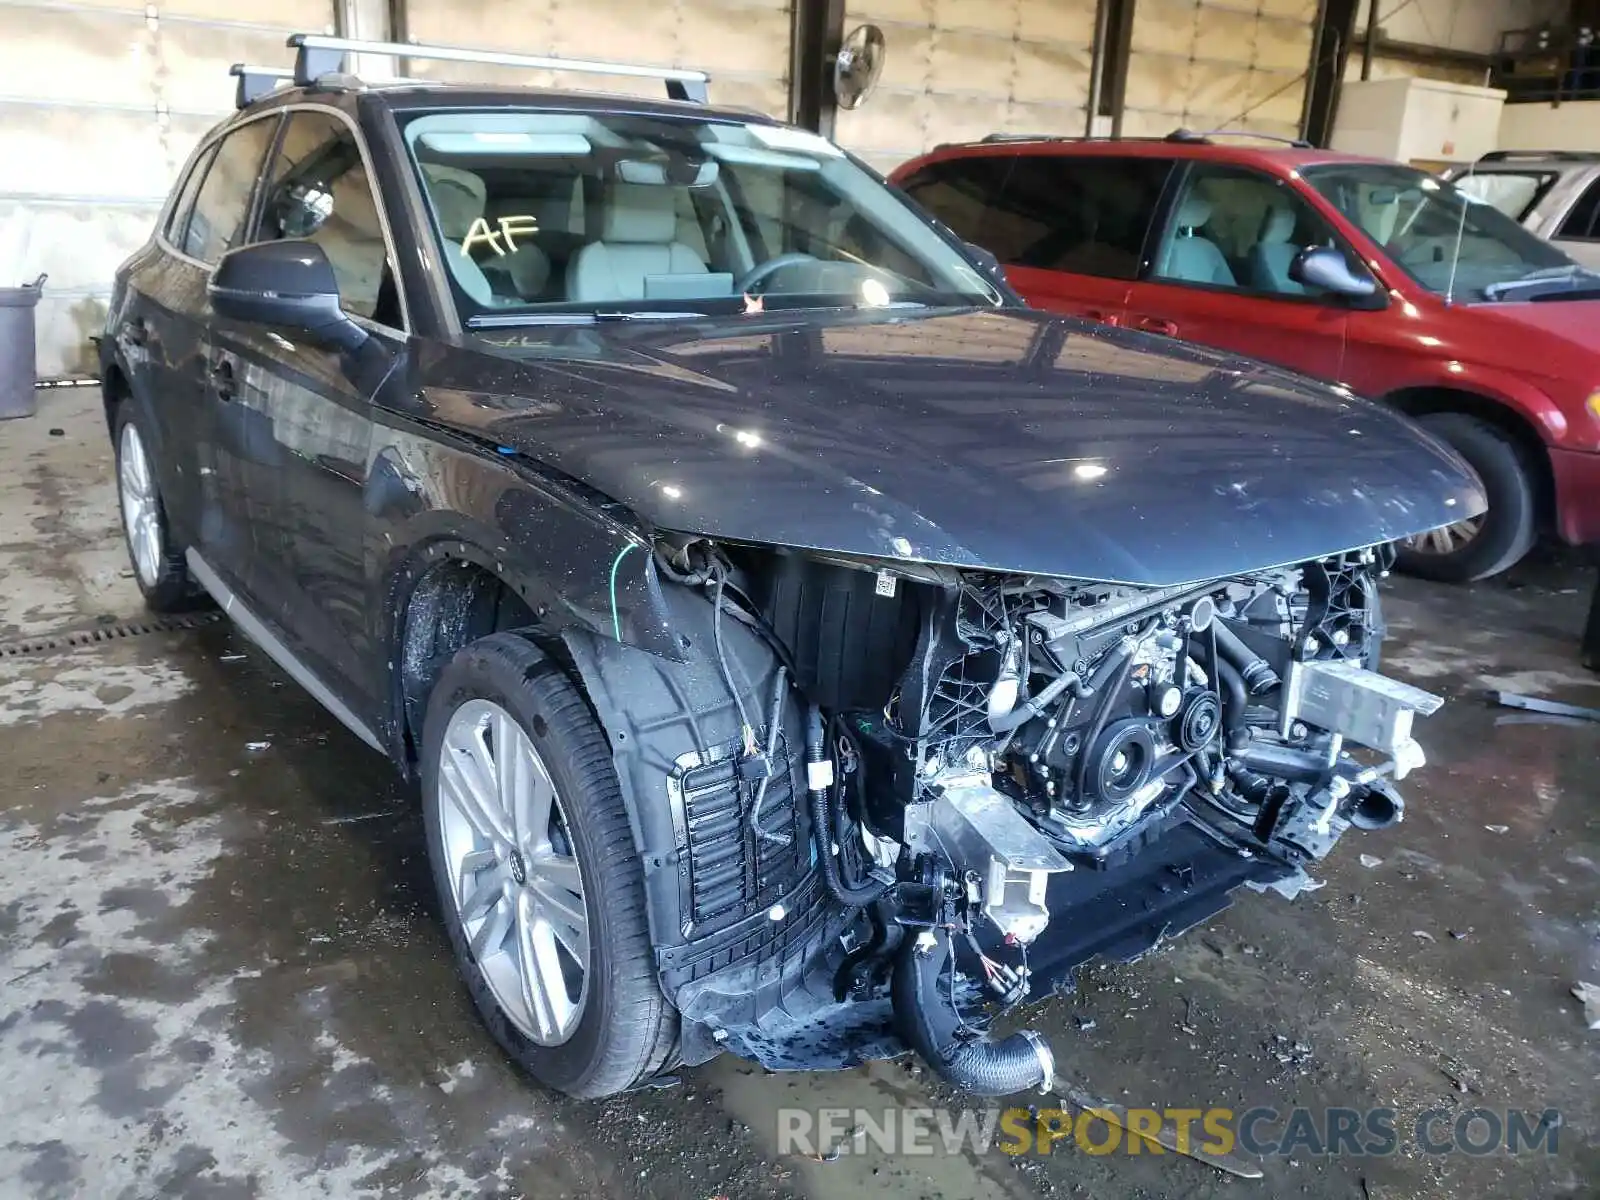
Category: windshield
[566,216]
[1419,219]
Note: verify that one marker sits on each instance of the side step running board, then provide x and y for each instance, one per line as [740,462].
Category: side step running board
[258,632]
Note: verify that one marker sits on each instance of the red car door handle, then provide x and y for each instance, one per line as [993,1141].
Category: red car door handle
[1157,325]
[1105,318]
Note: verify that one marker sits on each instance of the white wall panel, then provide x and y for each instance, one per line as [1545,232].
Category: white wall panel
[960,69]
[744,44]
[101,102]
[1207,64]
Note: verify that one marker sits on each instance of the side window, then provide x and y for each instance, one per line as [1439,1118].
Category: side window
[223,202]
[1085,215]
[1235,228]
[1583,222]
[961,193]
[178,218]
[318,190]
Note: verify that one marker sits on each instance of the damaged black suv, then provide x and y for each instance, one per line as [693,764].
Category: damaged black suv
[805,650]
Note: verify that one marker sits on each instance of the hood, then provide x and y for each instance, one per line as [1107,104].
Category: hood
[1576,322]
[1004,439]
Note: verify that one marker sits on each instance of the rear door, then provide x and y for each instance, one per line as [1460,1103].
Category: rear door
[159,341]
[1219,274]
[307,408]
[1070,230]
[1579,231]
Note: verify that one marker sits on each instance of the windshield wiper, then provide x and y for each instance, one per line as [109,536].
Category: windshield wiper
[513,320]
[1548,282]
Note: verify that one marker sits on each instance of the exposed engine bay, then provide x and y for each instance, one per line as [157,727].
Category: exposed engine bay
[983,780]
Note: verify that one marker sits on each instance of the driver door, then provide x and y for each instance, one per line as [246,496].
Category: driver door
[1220,273]
[313,404]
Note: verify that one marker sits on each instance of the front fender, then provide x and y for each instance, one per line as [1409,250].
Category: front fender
[1524,399]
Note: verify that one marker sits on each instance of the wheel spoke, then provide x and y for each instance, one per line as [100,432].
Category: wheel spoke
[491,935]
[485,894]
[563,910]
[150,533]
[463,779]
[511,754]
[544,986]
[538,801]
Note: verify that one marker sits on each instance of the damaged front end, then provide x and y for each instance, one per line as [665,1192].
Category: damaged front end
[880,803]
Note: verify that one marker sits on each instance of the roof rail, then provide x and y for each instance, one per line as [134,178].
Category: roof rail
[256,82]
[1558,155]
[1028,137]
[319,55]
[1204,139]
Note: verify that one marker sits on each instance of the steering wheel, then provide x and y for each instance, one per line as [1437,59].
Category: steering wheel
[763,271]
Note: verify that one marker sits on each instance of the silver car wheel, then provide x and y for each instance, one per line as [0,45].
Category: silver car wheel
[1447,539]
[516,884]
[141,514]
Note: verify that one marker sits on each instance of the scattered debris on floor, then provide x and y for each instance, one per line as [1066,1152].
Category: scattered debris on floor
[257,747]
[1498,828]
[1552,708]
[1590,995]
[1371,861]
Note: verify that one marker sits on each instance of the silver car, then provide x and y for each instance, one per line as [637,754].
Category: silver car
[1554,193]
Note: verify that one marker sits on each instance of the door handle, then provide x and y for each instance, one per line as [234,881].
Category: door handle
[1157,325]
[1105,318]
[136,332]
[222,379]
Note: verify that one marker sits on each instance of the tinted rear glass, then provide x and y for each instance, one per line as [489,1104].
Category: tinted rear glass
[1088,216]
[1584,219]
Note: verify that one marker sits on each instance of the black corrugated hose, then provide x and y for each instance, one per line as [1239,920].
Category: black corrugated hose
[928,1021]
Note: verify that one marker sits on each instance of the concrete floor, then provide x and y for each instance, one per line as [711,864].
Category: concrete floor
[221,972]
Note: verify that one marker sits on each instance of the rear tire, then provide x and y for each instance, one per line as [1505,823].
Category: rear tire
[159,567]
[591,1023]
[1506,532]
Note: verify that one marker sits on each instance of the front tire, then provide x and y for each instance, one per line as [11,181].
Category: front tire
[1487,545]
[158,565]
[541,887]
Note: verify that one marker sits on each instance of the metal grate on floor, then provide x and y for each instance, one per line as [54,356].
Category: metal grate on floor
[115,631]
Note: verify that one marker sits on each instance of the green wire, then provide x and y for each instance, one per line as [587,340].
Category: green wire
[616,618]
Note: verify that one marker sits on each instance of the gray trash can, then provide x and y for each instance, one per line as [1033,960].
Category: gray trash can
[18,361]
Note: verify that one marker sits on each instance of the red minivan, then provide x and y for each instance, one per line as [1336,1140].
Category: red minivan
[1358,271]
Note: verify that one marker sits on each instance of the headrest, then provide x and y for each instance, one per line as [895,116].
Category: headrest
[458,198]
[639,212]
[1280,224]
[1194,212]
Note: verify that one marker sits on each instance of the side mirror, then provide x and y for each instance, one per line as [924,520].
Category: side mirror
[986,261]
[288,284]
[1326,268]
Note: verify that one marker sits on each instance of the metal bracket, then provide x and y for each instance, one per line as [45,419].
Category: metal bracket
[981,832]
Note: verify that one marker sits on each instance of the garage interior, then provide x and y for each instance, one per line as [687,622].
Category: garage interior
[223,968]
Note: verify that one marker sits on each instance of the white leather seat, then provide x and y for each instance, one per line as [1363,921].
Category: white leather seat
[459,199]
[1190,257]
[638,238]
[1271,256]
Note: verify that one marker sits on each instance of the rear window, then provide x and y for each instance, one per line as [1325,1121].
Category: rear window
[1512,192]
[1583,222]
[1087,216]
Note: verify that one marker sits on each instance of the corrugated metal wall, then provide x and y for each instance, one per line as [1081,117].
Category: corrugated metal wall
[744,44]
[959,69]
[1199,64]
[100,103]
